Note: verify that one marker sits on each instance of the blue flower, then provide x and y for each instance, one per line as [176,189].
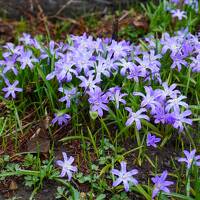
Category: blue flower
[190,158]
[136,117]
[98,101]
[179,14]
[61,118]
[160,184]
[124,176]
[67,167]
[152,140]
[11,89]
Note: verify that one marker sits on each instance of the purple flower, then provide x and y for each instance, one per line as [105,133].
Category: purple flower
[98,101]
[160,184]
[51,75]
[11,89]
[12,49]
[124,176]
[160,115]
[153,58]
[84,43]
[50,50]
[135,72]
[67,167]
[172,43]
[10,64]
[150,62]
[101,69]
[151,41]
[36,44]
[195,65]
[26,59]
[126,66]
[175,1]
[98,45]
[152,140]
[188,47]
[178,61]
[149,100]
[169,90]
[26,39]
[64,68]
[69,94]
[119,49]
[116,96]
[109,61]
[180,118]
[170,118]
[190,158]
[136,117]
[174,103]
[137,50]
[178,13]
[89,82]
[83,61]
[61,118]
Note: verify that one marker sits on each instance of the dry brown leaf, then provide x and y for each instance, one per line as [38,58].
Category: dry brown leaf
[13,185]
[40,141]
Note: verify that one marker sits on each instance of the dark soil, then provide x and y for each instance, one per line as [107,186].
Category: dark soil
[47,193]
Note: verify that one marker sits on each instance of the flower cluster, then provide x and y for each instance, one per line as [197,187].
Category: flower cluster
[85,67]
[166,105]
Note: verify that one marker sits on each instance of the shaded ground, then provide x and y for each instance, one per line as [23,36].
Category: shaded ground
[128,24]
[22,192]
[67,8]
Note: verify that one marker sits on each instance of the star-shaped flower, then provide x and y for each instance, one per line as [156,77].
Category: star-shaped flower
[160,184]
[124,176]
[190,158]
[178,13]
[152,140]
[67,167]
[11,89]
[61,118]
[136,117]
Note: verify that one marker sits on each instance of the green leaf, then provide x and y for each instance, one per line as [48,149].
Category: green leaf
[76,137]
[178,196]
[93,115]
[101,196]
[105,169]
[138,188]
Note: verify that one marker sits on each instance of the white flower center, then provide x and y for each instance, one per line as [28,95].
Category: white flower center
[67,165]
[11,88]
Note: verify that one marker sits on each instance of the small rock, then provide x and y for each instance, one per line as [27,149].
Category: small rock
[83,195]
